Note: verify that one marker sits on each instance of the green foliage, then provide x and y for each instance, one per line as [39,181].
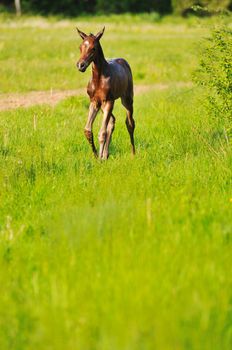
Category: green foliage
[180,6]
[77,7]
[65,7]
[216,5]
[185,6]
[115,6]
[215,75]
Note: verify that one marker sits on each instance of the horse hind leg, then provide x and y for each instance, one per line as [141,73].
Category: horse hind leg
[110,129]
[130,122]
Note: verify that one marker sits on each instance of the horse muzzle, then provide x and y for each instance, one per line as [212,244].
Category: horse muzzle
[82,66]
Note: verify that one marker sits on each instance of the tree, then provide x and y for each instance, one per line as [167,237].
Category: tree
[184,6]
[17,7]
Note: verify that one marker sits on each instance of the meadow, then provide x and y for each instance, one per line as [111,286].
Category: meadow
[133,253]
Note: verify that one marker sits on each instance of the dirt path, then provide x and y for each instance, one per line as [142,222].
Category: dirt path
[17,100]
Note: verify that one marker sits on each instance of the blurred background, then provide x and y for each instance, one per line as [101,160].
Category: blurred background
[77,7]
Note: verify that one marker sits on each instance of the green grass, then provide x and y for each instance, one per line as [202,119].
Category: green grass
[132,253]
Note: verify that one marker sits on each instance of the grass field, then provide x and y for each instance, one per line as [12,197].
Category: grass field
[132,253]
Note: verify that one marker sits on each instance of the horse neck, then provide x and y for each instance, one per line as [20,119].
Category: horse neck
[99,64]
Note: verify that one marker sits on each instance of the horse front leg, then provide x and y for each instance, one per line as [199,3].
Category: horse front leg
[93,110]
[110,129]
[107,110]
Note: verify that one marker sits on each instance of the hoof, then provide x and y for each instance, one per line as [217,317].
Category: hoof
[88,135]
[104,157]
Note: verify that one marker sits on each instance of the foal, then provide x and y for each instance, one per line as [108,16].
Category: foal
[110,80]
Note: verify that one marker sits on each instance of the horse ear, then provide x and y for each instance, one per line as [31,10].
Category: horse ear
[82,35]
[99,34]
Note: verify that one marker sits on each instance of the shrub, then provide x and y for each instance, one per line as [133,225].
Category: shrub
[185,6]
[215,75]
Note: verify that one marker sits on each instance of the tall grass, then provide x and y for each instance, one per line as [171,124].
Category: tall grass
[132,253]
[129,254]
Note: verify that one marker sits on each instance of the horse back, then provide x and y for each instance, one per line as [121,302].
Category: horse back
[121,79]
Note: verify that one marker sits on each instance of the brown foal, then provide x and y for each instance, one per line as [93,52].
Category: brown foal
[110,80]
